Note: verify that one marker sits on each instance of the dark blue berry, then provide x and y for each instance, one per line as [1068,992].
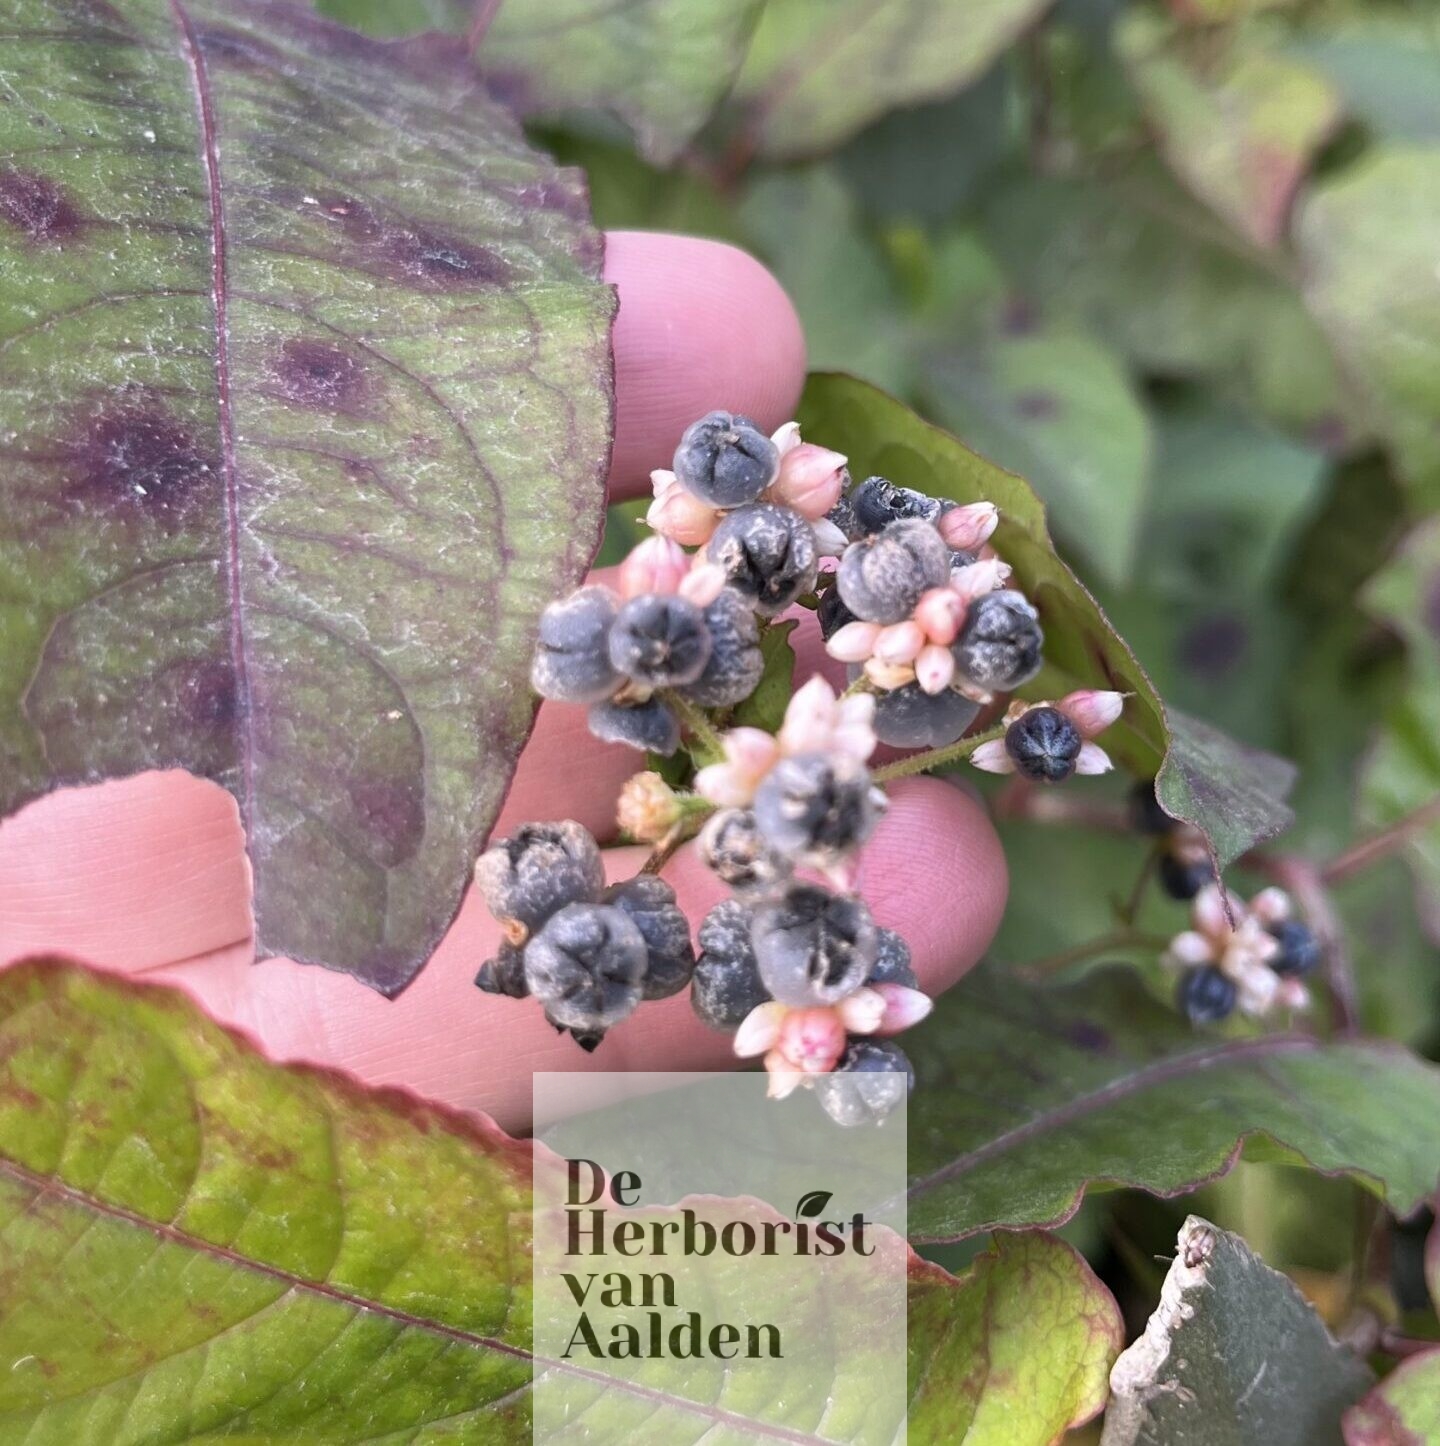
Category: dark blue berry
[868,1084]
[999,646]
[725,460]
[587,966]
[815,807]
[768,554]
[832,613]
[1182,878]
[726,985]
[540,868]
[660,640]
[505,973]
[572,657]
[733,848]
[813,947]
[736,663]
[1146,815]
[1300,950]
[909,717]
[649,726]
[877,503]
[842,514]
[1205,995]
[883,576]
[1043,744]
[892,962]
[650,903]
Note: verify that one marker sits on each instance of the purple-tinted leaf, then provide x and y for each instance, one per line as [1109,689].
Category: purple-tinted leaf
[304,411]
[1232,793]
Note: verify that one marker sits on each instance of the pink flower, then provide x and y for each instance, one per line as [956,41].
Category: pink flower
[1090,710]
[967,528]
[679,515]
[1240,946]
[749,755]
[799,1043]
[657,564]
[810,480]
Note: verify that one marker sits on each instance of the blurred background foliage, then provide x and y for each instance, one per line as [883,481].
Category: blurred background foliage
[1178,264]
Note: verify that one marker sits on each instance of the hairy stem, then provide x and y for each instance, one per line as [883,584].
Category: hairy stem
[695,722]
[1381,845]
[937,757]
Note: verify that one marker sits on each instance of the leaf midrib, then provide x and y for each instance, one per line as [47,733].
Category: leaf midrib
[1159,1072]
[45,1184]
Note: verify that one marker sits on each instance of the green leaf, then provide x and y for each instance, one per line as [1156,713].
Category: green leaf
[804,223]
[1132,258]
[1233,793]
[389,18]
[818,70]
[198,1243]
[1057,407]
[1366,240]
[304,408]
[660,66]
[1020,1356]
[1403,1410]
[1030,1095]
[1238,123]
[881,435]
[765,707]
[1403,769]
[1233,1355]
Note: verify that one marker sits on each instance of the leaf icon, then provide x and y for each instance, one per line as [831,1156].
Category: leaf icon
[810,1205]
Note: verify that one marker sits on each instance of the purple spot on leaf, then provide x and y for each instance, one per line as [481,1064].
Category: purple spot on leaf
[410,252]
[1085,1035]
[137,455]
[236,49]
[36,206]
[316,374]
[207,696]
[1213,647]
[391,814]
[1037,406]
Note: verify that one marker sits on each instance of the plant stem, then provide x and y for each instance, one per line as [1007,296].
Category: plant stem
[937,757]
[1131,906]
[859,686]
[1380,845]
[661,853]
[1126,939]
[697,725]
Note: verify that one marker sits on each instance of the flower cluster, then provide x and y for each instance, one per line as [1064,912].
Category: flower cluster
[910,593]
[1248,957]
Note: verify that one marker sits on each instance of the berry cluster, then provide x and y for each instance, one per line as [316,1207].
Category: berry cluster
[1235,956]
[910,594]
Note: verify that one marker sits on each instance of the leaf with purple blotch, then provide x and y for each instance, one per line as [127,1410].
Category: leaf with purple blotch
[305,397]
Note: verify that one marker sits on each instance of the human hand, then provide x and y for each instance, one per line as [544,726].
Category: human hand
[147,876]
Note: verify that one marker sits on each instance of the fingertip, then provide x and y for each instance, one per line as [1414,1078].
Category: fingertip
[701,325]
[935,871]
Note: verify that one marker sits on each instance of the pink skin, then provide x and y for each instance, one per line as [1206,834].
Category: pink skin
[147,876]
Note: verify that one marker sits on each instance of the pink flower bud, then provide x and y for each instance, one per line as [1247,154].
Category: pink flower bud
[786,437]
[811,1040]
[992,757]
[1190,948]
[900,642]
[810,480]
[785,1079]
[810,719]
[941,612]
[1271,906]
[647,809]
[979,578]
[1207,912]
[703,583]
[903,1007]
[682,517]
[862,1011]
[655,565]
[1292,994]
[854,642]
[759,1030]
[968,527]
[934,668]
[1092,758]
[888,676]
[1092,710]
